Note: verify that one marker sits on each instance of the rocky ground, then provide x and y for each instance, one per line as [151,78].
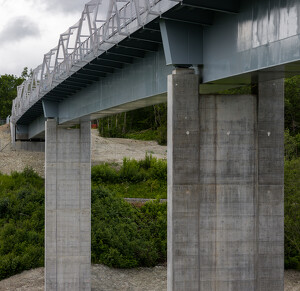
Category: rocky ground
[103,278]
[108,279]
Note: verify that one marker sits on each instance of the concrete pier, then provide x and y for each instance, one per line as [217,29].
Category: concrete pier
[225,188]
[67,207]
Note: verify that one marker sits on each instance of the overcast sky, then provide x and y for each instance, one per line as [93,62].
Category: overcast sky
[30,28]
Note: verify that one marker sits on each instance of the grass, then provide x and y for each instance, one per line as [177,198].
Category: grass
[148,134]
[134,179]
[151,189]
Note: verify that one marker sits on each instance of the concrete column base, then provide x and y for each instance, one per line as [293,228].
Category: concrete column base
[225,188]
[67,207]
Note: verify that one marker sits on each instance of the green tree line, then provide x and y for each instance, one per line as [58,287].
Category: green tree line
[8,91]
[148,123]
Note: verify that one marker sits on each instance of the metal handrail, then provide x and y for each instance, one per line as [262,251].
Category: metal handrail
[55,69]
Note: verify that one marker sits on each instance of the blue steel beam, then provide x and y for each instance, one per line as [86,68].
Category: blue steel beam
[183,43]
[139,84]
[144,78]
[263,35]
[229,6]
[231,49]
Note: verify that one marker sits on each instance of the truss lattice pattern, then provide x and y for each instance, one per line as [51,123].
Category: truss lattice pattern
[102,25]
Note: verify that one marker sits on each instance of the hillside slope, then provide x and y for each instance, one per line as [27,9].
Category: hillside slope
[110,150]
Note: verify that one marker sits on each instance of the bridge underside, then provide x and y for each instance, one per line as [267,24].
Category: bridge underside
[230,42]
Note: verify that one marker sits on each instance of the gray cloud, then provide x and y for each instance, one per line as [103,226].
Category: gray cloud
[17,29]
[66,6]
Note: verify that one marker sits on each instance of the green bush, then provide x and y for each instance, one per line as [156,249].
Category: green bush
[158,169]
[4,204]
[292,213]
[21,222]
[104,173]
[146,178]
[162,134]
[131,171]
[124,236]
[291,145]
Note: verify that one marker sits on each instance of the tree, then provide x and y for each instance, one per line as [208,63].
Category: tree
[292,213]
[292,104]
[8,92]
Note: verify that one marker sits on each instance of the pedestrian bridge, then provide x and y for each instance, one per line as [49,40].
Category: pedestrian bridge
[118,55]
[225,152]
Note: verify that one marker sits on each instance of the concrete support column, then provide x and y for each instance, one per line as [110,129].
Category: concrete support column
[67,207]
[270,186]
[225,188]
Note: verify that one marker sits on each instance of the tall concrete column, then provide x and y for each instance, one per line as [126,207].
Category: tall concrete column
[67,207]
[270,186]
[225,188]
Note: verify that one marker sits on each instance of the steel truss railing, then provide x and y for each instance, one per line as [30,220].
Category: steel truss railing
[95,32]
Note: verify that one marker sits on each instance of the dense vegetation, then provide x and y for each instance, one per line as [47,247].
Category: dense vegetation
[122,235]
[138,179]
[125,236]
[21,222]
[149,123]
[292,214]
[8,91]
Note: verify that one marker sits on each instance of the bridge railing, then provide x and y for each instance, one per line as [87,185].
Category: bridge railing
[76,47]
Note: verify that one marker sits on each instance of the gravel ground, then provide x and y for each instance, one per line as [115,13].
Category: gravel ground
[103,279]
[110,150]
[11,160]
[108,279]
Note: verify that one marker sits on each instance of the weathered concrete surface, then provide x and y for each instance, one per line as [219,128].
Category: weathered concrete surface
[67,207]
[225,188]
[270,186]
[30,146]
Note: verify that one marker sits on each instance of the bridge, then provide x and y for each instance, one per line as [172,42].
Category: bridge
[225,152]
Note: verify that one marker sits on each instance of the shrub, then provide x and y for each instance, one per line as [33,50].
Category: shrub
[21,222]
[159,169]
[104,173]
[146,178]
[124,236]
[131,171]
[292,213]
[4,203]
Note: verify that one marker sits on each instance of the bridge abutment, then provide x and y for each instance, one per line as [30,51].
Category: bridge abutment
[225,187]
[67,207]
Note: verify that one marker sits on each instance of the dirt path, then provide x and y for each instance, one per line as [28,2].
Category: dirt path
[111,150]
